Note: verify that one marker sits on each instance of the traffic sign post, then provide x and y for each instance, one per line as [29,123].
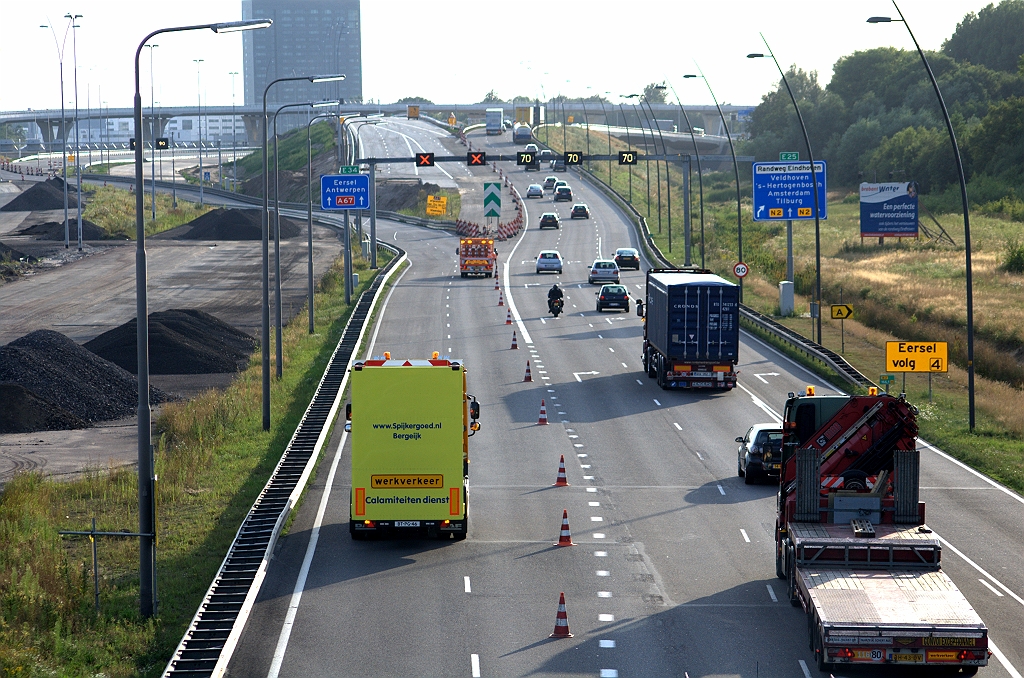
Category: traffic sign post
[492,199]
[886,380]
[782,191]
[841,312]
[344,191]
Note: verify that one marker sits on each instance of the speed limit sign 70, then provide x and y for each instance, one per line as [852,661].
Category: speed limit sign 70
[740,270]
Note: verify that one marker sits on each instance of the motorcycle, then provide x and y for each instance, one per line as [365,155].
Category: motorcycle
[555,306]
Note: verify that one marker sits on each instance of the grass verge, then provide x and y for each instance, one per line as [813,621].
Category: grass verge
[114,209]
[454,206]
[212,460]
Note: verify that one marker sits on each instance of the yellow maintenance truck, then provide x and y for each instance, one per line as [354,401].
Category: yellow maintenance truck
[410,423]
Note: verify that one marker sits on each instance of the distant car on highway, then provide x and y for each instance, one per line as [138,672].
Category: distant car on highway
[549,260]
[580,211]
[560,182]
[563,193]
[627,257]
[549,183]
[531,147]
[546,155]
[603,270]
[760,452]
[535,191]
[612,296]
[558,164]
[550,220]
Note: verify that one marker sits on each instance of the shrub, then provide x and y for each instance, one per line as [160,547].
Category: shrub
[1013,260]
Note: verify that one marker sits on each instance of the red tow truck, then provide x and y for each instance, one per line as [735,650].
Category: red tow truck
[852,543]
[477,256]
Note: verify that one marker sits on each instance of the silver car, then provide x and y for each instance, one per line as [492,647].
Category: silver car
[549,260]
[535,191]
[603,270]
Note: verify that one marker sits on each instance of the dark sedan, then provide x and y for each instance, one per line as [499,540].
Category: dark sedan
[760,452]
[613,296]
[627,257]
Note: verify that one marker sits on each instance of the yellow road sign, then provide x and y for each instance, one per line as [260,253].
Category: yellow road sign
[437,205]
[452,121]
[775,212]
[842,311]
[570,119]
[71,158]
[916,356]
[803,211]
[412,111]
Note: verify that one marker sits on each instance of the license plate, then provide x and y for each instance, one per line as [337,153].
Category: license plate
[906,657]
[407,523]
[614,303]
[706,375]
[775,467]
[700,384]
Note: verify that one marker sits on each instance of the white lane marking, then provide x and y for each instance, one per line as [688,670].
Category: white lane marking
[300,582]
[745,537]
[625,365]
[639,382]
[678,427]
[997,653]
[721,490]
[508,289]
[591,489]
[991,588]
[599,535]
[601,554]
[760,403]
[474,663]
[980,569]
[597,503]
[586,477]
[803,667]
[609,673]
[603,573]
[604,594]
[606,618]
[638,287]
[396,236]
[771,592]
[611,349]
[380,314]
[468,589]
[596,519]
[1007,491]
[606,643]
[608,320]
[591,324]
[600,337]
[657,403]
[542,321]
[698,455]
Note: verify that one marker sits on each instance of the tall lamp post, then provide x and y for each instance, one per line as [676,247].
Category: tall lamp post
[234,156]
[657,168]
[199,124]
[265,329]
[963,200]
[62,127]
[629,144]
[814,182]
[309,218]
[78,134]
[668,177]
[147,499]
[700,173]
[152,113]
[735,167]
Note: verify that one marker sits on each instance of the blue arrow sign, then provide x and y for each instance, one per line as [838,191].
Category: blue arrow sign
[782,191]
[345,191]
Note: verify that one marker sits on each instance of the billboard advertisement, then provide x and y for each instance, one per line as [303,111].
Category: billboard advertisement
[888,210]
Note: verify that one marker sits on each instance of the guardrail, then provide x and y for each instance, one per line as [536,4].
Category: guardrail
[762,322]
[211,638]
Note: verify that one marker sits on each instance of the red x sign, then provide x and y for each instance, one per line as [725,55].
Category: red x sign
[424,159]
[476,158]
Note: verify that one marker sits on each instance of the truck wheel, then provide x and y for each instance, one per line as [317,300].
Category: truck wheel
[463,274]
[649,365]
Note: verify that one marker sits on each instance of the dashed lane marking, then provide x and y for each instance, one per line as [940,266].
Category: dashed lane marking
[745,537]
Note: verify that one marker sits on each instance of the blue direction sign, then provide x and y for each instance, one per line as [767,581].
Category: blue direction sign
[345,191]
[782,191]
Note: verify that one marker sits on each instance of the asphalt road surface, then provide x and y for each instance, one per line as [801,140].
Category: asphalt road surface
[673,572]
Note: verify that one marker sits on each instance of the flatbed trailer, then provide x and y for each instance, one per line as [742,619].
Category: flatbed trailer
[883,599]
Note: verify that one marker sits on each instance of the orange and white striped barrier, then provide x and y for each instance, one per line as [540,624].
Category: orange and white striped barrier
[515,344]
[528,377]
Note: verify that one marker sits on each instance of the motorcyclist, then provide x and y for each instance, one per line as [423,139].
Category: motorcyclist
[554,293]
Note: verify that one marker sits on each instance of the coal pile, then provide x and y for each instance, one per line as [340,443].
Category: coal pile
[70,380]
[233,224]
[13,254]
[181,341]
[395,196]
[24,412]
[54,230]
[45,195]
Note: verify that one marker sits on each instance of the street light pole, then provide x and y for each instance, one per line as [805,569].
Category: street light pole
[199,123]
[700,173]
[152,113]
[629,144]
[963,201]
[735,167]
[234,156]
[668,176]
[814,181]
[309,217]
[265,321]
[62,128]
[78,134]
[657,167]
[147,499]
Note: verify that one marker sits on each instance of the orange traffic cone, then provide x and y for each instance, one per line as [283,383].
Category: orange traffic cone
[561,481]
[496,288]
[515,345]
[508,316]
[542,420]
[501,301]
[561,620]
[528,377]
[565,539]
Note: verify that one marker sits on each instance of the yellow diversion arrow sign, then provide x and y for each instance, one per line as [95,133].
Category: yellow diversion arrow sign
[842,311]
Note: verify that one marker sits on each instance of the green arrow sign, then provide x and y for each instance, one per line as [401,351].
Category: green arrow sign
[350,169]
[789,156]
[492,199]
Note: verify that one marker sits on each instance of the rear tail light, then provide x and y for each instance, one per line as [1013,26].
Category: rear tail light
[602,297]
[845,653]
[369,523]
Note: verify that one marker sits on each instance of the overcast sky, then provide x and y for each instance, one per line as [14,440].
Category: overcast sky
[456,52]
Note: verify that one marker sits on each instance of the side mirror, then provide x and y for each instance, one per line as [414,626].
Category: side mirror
[474,410]
[740,439]
[597,294]
[475,426]
[639,309]
[348,411]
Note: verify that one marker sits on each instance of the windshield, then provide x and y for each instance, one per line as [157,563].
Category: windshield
[614,289]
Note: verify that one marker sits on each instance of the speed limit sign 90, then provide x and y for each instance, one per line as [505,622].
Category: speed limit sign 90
[740,270]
